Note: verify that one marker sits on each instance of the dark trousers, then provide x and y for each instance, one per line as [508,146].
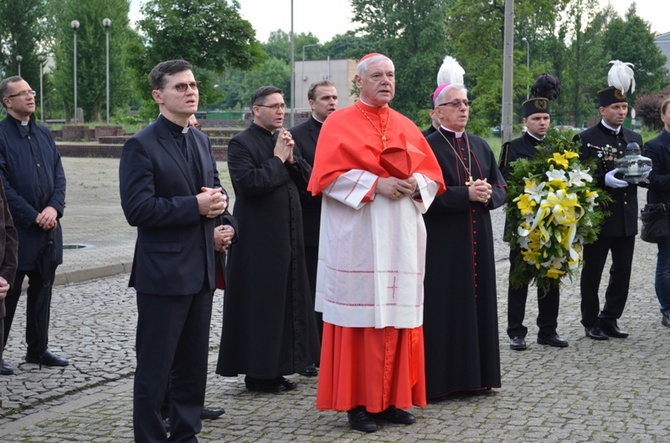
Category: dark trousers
[172,345]
[547,306]
[595,255]
[35,284]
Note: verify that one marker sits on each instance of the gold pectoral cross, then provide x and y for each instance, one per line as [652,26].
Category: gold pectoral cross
[470,181]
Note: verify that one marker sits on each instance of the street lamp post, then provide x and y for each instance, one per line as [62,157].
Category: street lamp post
[527,66]
[75,25]
[303,79]
[41,59]
[107,23]
[18,62]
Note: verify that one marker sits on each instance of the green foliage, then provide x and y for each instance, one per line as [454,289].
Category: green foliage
[554,209]
[91,55]
[648,109]
[21,28]
[210,34]
[411,33]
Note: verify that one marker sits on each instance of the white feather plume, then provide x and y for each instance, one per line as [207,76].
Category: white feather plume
[450,72]
[621,76]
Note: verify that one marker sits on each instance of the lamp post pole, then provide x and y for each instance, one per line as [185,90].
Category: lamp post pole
[107,23]
[18,62]
[527,66]
[302,76]
[75,25]
[41,59]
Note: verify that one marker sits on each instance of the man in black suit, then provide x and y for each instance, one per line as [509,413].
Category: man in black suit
[606,142]
[322,98]
[536,118]
[658,150]
[170,190]
[34,181]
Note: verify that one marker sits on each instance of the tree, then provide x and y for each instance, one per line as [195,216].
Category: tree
[210,34]
[648,109]
[22,32]
[347,46]
[411,33]
[476,33]
[631,40]
[91,54]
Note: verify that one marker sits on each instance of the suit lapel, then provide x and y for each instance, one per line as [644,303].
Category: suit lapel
[168,143]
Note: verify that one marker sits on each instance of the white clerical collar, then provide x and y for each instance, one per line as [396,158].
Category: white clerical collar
[534,136]
[314,117]
[609,127]
[458,134]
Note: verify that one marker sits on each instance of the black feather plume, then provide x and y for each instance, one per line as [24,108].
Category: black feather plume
[546,86]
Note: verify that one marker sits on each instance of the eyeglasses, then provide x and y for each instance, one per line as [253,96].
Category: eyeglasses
[275,108]
[182,87]
[457,103]
[22,94]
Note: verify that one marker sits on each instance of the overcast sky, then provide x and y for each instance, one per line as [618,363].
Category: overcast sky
[326,19]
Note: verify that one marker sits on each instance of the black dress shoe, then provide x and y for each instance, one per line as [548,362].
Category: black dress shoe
[48,359]
[209,414]
[360,420]
[596,333]
[612,330]
[553,340]
[5,369]
[398,416]
[310,371]
[288,385]
[271,385]
[665,319]
[518,343]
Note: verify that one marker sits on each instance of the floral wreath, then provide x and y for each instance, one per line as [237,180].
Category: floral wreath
[555,209]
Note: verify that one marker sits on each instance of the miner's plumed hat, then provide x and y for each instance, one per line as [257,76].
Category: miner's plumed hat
[546,87]
[620,79]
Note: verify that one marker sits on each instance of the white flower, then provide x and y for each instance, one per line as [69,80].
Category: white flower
[556,174]
[536,191]
[578,177]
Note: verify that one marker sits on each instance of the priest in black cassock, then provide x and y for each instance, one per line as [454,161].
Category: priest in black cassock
[537,118]
[460,314]
[269,329]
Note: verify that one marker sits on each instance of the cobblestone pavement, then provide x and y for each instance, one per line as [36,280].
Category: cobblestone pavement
[589,392]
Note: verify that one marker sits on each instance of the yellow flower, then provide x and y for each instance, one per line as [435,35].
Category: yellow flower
[526,204]
[555,273]
[532,256]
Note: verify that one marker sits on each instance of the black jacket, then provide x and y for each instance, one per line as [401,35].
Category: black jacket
[605,145]
[658,150]
[33,176]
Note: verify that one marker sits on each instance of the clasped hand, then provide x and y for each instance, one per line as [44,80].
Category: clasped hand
[396,188]
[211,202]
[284,146]
[480,191]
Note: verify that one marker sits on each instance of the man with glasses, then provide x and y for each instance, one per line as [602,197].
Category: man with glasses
[460,315]
[170,191]
[34,181]
[269,328]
